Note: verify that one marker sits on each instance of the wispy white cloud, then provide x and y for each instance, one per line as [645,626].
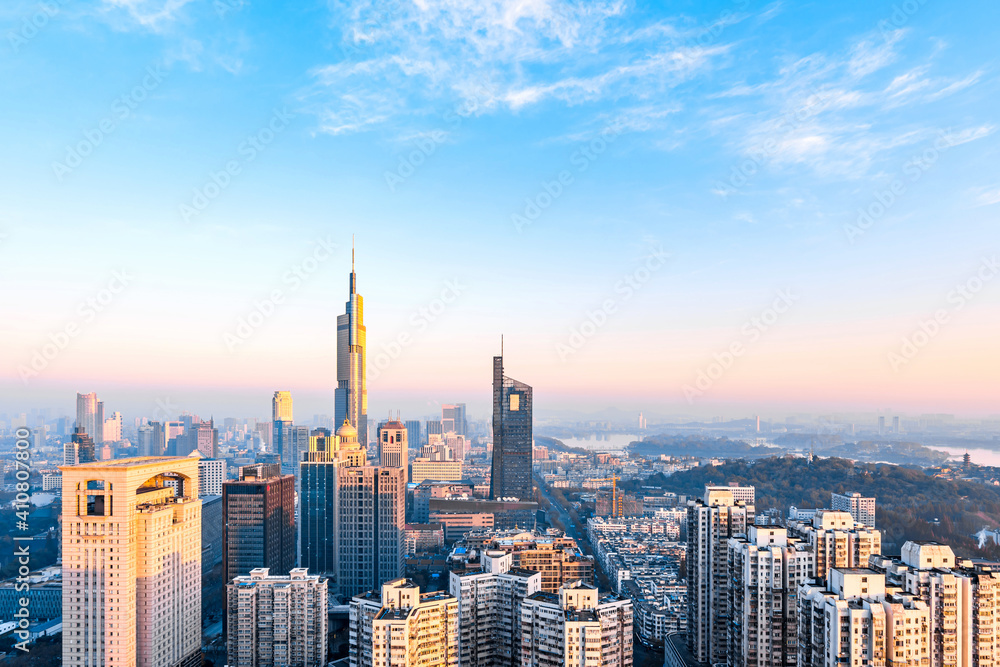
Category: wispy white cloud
[507,54]
[149,14]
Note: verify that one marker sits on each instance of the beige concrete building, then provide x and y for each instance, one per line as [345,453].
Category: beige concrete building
[393,448]
[438,471]
[131,558]
[576,628]
[855,620]
[711,521]
[837,541]
[766,569]
[963,599]
[277,621]
[400,627]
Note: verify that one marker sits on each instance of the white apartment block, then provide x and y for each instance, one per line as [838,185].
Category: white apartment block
[861,509]
[766,569]
[277,621]
[489,607]
[211,475]
[963,600]
[837,541]
[52,483]
[741,494]
[711,522]
[401,626]
[131,562]
[855,621]
[576,628]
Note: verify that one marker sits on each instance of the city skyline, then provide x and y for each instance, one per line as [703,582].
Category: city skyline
[839,176]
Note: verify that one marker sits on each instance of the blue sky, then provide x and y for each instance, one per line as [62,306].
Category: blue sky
[209,148]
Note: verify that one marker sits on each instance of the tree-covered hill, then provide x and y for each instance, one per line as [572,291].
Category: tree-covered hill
[908,500]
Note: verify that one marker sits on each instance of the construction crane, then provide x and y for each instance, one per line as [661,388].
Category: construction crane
[617,509]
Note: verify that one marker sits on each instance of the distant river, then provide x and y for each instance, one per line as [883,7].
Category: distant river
[983,457]
[613,442]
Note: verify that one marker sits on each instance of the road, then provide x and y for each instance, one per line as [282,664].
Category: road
[562,511]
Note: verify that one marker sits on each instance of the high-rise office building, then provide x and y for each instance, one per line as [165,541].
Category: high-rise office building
[766,569]
[371,517]
[512,441]
[80,449]
[710,523]
[113,428]
[144,442]
[131,562]
[281,431]
[351,395]
[397,625]
[577,627]
[201,437]
[277,621]
[962,597]
[259,516]
[413,434]
[489,609]
[393,445]
[453,419]
[861,509]
[90,416]
[318,480]
[852,619]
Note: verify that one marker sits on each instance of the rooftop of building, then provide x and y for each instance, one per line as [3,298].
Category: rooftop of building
[129,462]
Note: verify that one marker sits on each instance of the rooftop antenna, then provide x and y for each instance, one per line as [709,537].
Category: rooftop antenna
[352,253]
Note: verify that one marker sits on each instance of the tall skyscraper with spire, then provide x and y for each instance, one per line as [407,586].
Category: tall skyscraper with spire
[510,476]
[351,396]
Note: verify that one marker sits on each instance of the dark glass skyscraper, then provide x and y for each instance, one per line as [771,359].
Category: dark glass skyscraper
[351,395]
[510,476]
[259,518]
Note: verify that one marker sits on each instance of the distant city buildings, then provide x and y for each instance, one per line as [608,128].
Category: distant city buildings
[277,621]
[90,417]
